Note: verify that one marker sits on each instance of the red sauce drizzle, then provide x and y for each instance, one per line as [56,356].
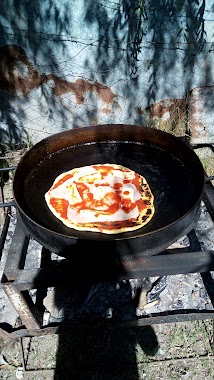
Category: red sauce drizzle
[127,205]
[60,205]
[117,186]
[62,180]
[103,169]
[110,204]
[135,181]
[140,204]
[126,192]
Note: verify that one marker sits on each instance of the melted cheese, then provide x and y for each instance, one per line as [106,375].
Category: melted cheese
[101,190]
[130,192]
[85,216]
[90,177]
[73,195]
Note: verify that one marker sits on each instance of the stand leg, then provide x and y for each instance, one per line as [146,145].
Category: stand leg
[24,306]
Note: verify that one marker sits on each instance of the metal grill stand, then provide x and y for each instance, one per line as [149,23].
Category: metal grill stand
[17,281]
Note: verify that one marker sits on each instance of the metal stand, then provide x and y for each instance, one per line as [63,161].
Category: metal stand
[17,280]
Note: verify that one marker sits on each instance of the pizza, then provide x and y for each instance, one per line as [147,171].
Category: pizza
[105,198]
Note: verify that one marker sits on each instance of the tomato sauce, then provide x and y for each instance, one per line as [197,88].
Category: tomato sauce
[109,204]
[140,204]
[61,181]
[105,169]
[60,205]
[127,205]
[117,186]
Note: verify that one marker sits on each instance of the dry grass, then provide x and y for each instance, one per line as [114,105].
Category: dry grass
[177,129]
[104,354]
[208,164]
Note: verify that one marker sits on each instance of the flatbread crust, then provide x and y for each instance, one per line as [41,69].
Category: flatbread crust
[105,198]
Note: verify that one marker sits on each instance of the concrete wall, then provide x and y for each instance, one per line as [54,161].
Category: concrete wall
[66,64]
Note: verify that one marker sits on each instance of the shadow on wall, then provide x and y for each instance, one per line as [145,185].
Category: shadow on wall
[152,40]
[129,33]
[18,78]
[20,28]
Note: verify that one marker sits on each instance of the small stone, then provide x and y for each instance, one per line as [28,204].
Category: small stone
[20,373]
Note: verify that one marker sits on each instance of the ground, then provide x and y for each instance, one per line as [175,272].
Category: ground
[162,352]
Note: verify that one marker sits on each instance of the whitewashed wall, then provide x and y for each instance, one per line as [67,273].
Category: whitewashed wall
[66,64]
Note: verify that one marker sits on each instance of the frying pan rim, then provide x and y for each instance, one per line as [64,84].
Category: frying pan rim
[105,237]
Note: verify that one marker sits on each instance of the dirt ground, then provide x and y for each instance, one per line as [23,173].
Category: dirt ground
[158,352]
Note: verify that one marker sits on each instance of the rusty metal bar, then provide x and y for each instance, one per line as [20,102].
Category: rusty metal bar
[16,253]
[170,264]
[209,285]
[41,292]
[158,265]
[66,328]
[172,318]
[203,145]
[208,198]
[24,306]
[6,204]
[7,169]
[4,230]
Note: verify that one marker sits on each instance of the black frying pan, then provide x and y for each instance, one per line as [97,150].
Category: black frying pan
[170,166]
